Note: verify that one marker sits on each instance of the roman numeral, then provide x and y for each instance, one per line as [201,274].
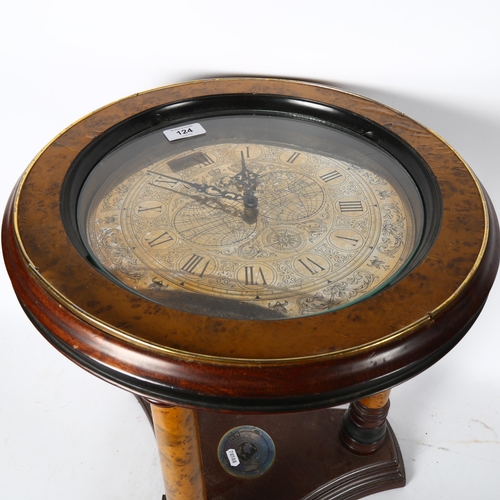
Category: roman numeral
[252,278]
[293,157]
[204,159]
[352,241]
[330,176]
[192,266]
[159,240]
[146,209]
[161,181]
[313,267]
[350,206]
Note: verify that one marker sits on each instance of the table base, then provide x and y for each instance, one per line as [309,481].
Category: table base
[311,463]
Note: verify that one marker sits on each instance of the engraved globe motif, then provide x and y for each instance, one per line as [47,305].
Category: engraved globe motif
[212,225]
[289,196]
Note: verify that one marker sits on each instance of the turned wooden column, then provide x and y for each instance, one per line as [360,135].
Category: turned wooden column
[176,431]
[365,424]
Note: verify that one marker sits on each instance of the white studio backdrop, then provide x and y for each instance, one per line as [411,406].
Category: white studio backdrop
[66,435]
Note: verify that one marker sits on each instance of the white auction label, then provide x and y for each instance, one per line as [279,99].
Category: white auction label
[174,134]
[233,457]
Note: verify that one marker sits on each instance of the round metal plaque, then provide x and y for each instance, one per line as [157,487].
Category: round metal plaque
[246,451]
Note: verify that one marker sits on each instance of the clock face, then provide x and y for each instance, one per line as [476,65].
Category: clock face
[251,216]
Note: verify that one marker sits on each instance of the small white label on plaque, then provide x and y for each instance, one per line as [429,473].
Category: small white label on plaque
[174,134]
[233,457]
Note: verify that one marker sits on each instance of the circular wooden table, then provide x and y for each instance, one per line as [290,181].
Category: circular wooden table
[242,407]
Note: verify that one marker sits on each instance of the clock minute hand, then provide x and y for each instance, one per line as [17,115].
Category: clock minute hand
[202,188]
[247,180]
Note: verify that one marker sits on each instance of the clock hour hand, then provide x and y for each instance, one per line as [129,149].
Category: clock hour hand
[245,177]
[201,188]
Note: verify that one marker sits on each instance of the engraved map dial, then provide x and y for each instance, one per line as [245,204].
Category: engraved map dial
[274,230]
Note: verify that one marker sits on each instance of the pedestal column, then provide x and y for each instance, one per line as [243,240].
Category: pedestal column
[177,436]
[365,423]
